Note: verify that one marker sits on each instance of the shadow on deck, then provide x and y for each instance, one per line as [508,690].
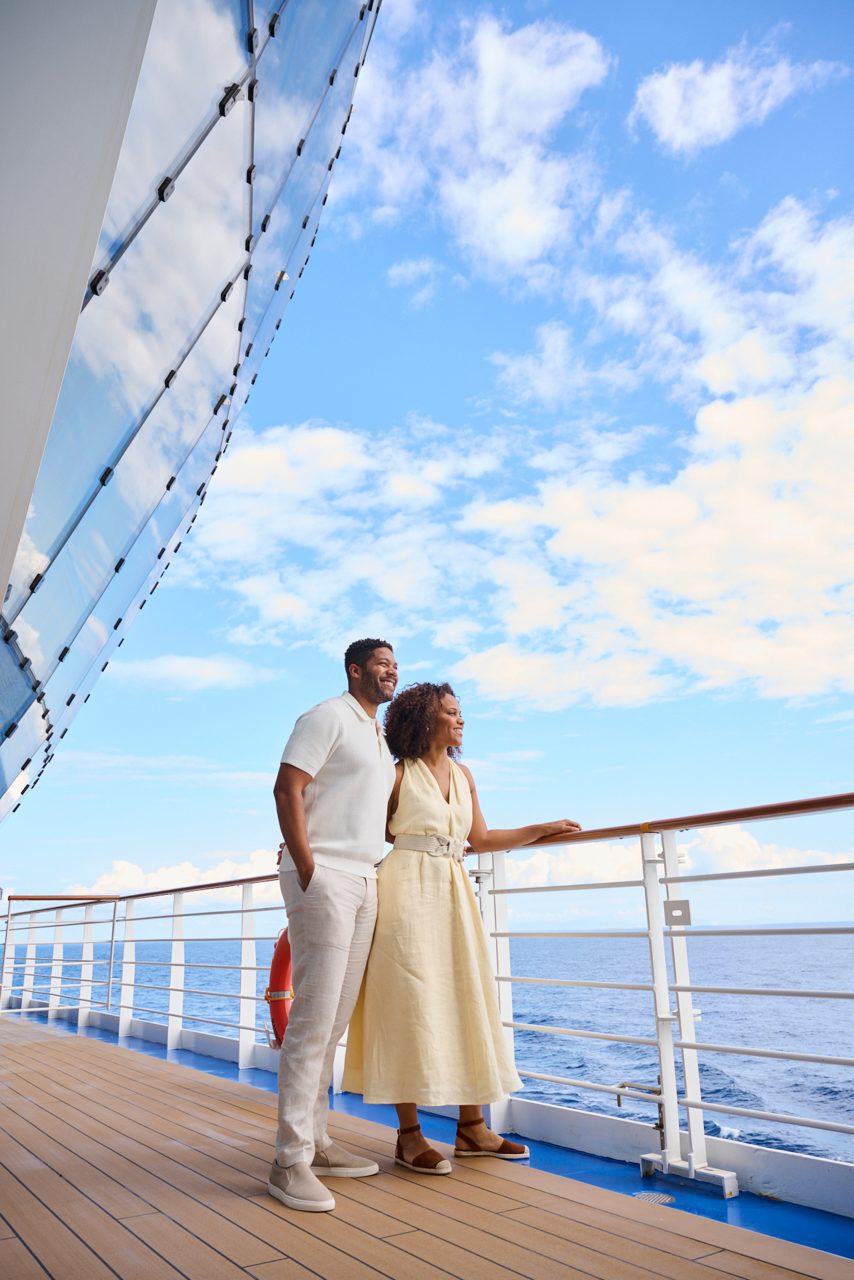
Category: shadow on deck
[116,1164]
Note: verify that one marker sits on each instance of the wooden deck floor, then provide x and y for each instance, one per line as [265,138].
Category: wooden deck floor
[113,1163]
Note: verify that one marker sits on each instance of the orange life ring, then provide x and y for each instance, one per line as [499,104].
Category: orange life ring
[279,994]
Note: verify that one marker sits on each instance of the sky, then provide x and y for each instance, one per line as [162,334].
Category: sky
[562,408]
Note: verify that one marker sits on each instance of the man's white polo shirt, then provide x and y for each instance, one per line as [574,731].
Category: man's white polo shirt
[352,775]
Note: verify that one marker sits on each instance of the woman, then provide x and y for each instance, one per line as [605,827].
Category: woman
[427,1027]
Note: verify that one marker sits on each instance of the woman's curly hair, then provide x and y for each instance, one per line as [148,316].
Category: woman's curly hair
[411,719]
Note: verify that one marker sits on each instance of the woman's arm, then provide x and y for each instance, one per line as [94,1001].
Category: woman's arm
[394,799]
[482,840]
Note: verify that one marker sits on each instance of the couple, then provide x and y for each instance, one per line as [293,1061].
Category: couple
[426,1026]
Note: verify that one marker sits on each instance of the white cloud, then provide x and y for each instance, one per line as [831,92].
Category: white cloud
[594,560]
[129,877]
[411,271]
[556,374]
[475,125]
[421,272]
[185,674]
[694,105]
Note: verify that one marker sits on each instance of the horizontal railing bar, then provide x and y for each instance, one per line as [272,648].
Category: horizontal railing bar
[774,1116]
[568,888]
[748,1051]
[200,964]
[194,1017]
[590,1084]
[765,991]
[62,897]
[578,933]
[764,871]
[195,991]
[782,931]
[22,929]
[267,937]
[194,915]
[723,817]
[577,982]
[201,888]
[583,1035]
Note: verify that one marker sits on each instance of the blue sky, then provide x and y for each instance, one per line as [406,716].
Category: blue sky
[562,408]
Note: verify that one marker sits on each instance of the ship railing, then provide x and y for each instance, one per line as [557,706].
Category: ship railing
[110,990]
[668,928]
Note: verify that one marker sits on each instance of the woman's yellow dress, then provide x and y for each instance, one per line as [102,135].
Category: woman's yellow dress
[427,1028]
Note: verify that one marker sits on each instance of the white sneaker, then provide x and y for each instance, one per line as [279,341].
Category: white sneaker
[298,1188]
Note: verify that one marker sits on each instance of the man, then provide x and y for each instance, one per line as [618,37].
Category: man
[331,793]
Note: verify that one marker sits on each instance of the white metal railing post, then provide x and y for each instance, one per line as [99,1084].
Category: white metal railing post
[108,998]
[697,1155]
[126,991]
[176,975]
[87,954]
[56,966]
[670,1145]
[7,975]
[29,978]
[246,1033]
[492,871]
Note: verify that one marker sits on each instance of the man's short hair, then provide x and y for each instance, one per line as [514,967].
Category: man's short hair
[360,650]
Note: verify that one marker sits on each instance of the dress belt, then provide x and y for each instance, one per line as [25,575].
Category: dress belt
[436,846]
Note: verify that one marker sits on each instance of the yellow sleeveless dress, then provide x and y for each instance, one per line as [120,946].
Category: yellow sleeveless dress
[426,1028]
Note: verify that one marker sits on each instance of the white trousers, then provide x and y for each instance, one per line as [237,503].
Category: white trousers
[330,928]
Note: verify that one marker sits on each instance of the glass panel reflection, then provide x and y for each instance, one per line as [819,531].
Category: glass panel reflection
[298,207]
[30,735]
[175,97]
[16,689]
[130,339]
[293,73]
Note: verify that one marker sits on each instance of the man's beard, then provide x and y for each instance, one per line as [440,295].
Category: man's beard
[376,692]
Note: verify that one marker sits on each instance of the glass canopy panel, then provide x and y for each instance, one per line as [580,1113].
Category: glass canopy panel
[263,11]
[83,677]
[293,73]
[16,690]
[130,339]
[298,207]
[195,50]
[270,319]
[100,626]
[30,735]
[55,617]
[86,563]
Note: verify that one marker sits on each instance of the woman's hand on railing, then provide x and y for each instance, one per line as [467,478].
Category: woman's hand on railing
[562,827]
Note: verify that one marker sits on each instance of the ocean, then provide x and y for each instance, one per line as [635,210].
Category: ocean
[807,1025]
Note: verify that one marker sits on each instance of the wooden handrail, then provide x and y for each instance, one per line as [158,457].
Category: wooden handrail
[64,897]
[754,813]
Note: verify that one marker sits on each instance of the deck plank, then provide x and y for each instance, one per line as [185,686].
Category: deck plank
[59,1250]
[127,1163]
[195,1259]
[17,1263]
[105,1236]
[117,1163]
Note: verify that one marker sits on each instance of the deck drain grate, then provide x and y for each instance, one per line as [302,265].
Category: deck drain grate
[653,1197]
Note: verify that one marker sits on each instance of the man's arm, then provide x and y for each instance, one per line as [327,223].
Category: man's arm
[288,790]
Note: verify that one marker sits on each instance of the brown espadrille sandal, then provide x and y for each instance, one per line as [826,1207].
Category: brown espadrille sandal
[507,1151]
[428,1161]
